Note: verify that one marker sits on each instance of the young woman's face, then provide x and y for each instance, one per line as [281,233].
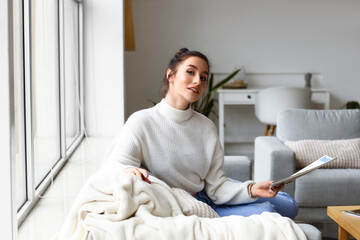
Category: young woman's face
[189,82]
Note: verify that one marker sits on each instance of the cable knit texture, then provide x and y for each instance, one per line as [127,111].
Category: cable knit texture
[347,152]
[180,147]
[191,206]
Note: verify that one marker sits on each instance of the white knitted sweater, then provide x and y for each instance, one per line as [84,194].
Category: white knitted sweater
[180,147]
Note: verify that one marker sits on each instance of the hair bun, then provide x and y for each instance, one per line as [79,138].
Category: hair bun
[181,52]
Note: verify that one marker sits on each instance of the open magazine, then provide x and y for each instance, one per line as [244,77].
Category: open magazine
[355,212]
[309,168]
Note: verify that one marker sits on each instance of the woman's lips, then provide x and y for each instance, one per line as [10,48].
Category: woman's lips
[195,90]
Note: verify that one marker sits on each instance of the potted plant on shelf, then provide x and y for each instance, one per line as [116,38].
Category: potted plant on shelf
[352,105]
[206,104]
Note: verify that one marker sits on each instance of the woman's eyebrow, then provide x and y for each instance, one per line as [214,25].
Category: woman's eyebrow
[193,66]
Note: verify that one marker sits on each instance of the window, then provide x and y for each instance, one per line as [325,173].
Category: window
[72,73]
[48,92]
[19,97]
[45,85]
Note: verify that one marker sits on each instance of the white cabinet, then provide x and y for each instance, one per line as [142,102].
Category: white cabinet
[320,98]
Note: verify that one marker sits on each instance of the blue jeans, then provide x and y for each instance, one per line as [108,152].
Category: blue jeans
[282,203]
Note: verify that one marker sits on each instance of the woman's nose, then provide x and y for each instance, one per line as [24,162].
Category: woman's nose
[196,79]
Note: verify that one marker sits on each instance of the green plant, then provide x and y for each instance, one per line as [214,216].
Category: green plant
[352,105]
[206,104]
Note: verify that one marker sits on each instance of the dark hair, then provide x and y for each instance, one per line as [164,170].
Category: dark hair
[179,57]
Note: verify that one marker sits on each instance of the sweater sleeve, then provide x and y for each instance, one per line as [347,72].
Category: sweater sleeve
[124,152]
[222,190]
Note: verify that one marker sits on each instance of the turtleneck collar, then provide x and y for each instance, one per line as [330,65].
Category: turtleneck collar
[172,113]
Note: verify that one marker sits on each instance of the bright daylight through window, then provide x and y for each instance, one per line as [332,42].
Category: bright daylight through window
[48,92]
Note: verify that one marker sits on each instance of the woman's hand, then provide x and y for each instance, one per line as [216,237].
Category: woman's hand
[262,189]
[141,173]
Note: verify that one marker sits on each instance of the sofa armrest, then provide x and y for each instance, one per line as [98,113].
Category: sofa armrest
[273,160]
[238,168]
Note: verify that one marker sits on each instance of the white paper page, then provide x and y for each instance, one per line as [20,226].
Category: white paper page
[311,167]
[316,164]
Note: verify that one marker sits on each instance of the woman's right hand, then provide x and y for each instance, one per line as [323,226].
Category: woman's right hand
[141,173]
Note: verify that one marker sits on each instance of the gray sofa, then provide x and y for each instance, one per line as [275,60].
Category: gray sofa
[323,187]
[238,167]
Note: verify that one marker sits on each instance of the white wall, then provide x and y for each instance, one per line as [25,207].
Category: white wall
[278,36]
[265,36]
[103,67]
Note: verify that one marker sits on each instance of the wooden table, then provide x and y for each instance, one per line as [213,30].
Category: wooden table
[347,224]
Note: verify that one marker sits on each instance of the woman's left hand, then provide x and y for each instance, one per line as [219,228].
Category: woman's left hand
[262,189]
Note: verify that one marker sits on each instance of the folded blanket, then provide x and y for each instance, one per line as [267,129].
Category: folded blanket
[111,205]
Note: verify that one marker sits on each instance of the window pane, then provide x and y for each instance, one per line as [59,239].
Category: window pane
[19,141]
[19,123]
[45,86]
[71,48]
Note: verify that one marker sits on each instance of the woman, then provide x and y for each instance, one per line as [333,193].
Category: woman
[182,148]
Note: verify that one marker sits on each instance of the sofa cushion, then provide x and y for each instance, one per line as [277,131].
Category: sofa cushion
[347,152]
[299,124]
[328,187]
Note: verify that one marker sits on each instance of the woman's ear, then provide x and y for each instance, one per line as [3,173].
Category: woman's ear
[169,75]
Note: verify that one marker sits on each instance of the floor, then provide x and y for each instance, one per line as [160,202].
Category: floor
[50,212]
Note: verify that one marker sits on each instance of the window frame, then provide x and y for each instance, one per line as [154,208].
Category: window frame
[7,123]
[34,192]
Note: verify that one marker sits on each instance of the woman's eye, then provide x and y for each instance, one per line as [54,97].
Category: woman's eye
[190,72]
[203,79]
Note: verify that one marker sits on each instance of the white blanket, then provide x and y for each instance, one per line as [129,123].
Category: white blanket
[115,206]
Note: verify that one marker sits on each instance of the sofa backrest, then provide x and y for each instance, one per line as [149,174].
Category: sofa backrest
[299,124]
